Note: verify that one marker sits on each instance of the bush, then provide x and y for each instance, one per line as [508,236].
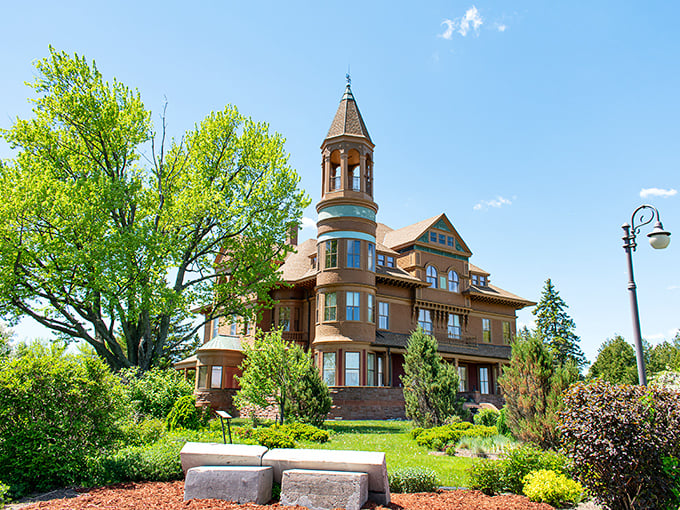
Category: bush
[4,490]
[55,410]
[273,438]
[158,462]
[546,486]
[438,438]
[309,399]
[154,392]
[138,433]
[304,432]
[618,437]
[502,422]
[487,417]
[186,415]
[413,480]
[414,433]
[507,474]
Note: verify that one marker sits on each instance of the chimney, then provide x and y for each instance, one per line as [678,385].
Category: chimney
[292,237]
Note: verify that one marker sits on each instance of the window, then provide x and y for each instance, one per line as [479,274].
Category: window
[484,380]
[371,307]
[442,239]
[453,281]
[486,330]
[352,368]
[433,237]
[370,369]
[449,241]
[215,327]
[383,316]
[425,321]
[381,374]
[355,174]
[353,253]
[332,253]
[371,257]
[353,306]
[233,327]
[329,368]
[284,318]
[482,281]
[431,272]
[314,262]
[454,326]
[216,377]
[203,377]
[330,306]
[507,334]
[381,259]
[336,178]
[462,378]
[475,279]
[390,261]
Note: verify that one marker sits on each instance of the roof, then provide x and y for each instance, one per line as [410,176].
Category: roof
[348,120]
[496,294]
[412,233]
[297,264]
[222,342]
[479,270]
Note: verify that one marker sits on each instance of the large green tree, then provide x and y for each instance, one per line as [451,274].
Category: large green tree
[615,362]
[664,356]
[109,231]
[430,383]
[532,386]
[556,328]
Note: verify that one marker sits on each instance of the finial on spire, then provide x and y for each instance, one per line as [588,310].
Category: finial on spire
[349,79]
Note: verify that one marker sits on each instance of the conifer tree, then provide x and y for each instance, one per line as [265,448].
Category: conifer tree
[555,328]
[430,383]
[615,362]
[532,385]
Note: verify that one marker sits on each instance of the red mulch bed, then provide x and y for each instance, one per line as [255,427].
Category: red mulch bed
[170,496]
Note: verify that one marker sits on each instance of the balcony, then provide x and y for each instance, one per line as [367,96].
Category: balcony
[469,341]
[295,336]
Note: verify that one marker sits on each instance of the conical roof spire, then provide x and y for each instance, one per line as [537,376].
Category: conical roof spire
[347,120]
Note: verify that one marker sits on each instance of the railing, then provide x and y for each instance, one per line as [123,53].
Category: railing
[463,340]
[295,336]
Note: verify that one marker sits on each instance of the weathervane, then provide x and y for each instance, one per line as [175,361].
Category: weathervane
[349,80]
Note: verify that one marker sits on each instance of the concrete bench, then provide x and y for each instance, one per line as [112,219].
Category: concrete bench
[371,463]
[218,454]
[324,490]
[241,484]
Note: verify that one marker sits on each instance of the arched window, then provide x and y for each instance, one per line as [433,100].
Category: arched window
[453,281]
[355,177]
[432,276]
[336,178]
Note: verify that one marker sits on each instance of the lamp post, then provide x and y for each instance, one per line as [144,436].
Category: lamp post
[659,239]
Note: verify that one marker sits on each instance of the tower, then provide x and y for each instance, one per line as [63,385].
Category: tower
[346,247]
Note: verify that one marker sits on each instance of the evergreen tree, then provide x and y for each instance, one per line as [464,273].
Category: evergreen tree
[532,385]
[309,399]
[556,329]
[664,356]
[615,362]
[430,383]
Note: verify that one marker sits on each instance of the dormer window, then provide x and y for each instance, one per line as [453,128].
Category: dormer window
[442,239]
[449,241]
[475,279]
[390,261]
[381,259]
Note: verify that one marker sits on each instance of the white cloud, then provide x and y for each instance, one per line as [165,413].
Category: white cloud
[471,20]
[657,192]
[673,287]
[307,223]
[501,27]
[496,203]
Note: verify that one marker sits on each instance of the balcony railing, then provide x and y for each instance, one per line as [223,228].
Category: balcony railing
[295,336]
[463,340]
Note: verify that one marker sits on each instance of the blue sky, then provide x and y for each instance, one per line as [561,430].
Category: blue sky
[535,126]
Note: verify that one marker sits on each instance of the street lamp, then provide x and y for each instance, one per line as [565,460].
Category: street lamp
[659,239]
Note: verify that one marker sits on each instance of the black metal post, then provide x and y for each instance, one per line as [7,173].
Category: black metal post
[629,246]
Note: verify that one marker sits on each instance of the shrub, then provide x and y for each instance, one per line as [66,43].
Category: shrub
[4,490]
[158,462]
[618,437]
[273,438]
[487,417]
[413,480]
[532,385]
[502,422]
[481,445]
[507,474]
[55,410]
[546,486]
[430,384]
[438,438]
[304,432]
[414,433]
[154,392]
[186,415]
[137,433]
[309,398]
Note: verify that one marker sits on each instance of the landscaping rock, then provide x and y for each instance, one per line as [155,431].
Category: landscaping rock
[324,490]
[218,454]
[241,484]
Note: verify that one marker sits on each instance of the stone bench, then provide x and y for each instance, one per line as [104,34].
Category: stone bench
[218,454]
[371,463]
[241,484]
[324,490]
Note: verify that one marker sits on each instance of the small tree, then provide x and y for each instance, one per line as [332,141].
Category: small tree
[272,371]
[309,398]
[556,329]
[532,385]
[430,384]
[615,362]
[664,356]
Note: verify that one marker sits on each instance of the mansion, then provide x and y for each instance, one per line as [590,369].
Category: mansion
[357,291]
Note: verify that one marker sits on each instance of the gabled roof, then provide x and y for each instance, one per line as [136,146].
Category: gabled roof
[495,294]
[297,263]
[222,342]
[412,233]
[478,270]
[348,120]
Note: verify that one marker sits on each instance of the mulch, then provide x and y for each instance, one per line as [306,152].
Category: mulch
[170,496]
